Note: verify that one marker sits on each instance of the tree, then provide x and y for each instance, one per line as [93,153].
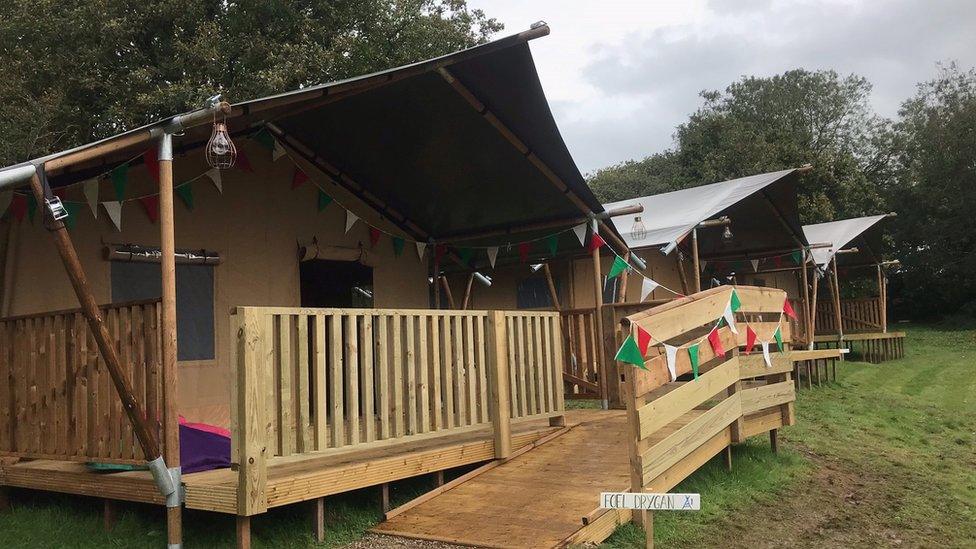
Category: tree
[935,231]
[654,174]
[78,70]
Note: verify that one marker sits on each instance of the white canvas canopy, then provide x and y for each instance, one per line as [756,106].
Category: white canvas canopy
[843,233]
[669,217]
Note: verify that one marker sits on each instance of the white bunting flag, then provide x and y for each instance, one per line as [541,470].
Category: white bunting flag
[671,353]
[90,189]
[351,220]
[702,265]
[580,231]
[492,255]
[278,151]
[766,357]
[214,175]
[647,287]
[5,199]
[421,248]
[729,317]
[755,265]
[114,211]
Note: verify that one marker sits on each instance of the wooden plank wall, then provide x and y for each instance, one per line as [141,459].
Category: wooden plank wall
[57,400]
[535,363]
[581,368]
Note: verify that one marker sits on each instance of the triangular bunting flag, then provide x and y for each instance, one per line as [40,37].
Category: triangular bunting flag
[465,255]
[693,356]
[185,192]
[619,266]
[702,265]
[421,248]
[755,264]
[715,340]
[114,211]
[778,336]
[439,251]
[766,357]
[265,138]
[31,207]
[630,353]
[788,309]
[734,302]
[72,208]
[120,178]
[278,151]
[580,231]
[778,261]
[151,159]
[523,251]
[374,236]
[243,163]
[397,246]
[647,286]
[151,205]
[596,242]
[351,220]
[90,188]
[492,255]
[643,340]
[323,200]
[5,198]
[797,257]
[750,339]
[298,178]
[671,355]
[18,207]
[214,175]
[729,318]
[552,243]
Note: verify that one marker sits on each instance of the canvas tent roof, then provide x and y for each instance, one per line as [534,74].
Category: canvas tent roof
[864,233]
[669,217]
[407,149]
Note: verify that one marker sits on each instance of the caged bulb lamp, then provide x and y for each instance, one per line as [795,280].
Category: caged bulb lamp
[727,235]
[638,230]
[221,152]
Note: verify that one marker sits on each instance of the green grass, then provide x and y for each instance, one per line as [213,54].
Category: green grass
[886,453]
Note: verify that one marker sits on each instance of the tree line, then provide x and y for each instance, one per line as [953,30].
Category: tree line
[921,165]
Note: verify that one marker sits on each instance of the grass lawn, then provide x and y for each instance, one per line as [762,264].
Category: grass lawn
[886,456]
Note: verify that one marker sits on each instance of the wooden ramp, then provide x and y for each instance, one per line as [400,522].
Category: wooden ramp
[537,499]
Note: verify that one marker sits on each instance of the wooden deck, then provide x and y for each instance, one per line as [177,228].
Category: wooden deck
[875,347]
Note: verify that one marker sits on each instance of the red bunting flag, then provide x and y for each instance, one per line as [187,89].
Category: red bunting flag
[788,309]
[439,251]
[643,340]
[151,205]
[243,163]
[298,178]
[716,342]
[750,339]
[374,236]
[151,159]
[18,207]
[596,242]
[523,251]
[778,262]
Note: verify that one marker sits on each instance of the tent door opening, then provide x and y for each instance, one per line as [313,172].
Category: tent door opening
[328,283]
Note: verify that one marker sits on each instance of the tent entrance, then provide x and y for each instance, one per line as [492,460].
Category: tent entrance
[328,283]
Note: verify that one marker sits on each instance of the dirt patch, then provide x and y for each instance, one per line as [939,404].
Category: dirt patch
[377,541]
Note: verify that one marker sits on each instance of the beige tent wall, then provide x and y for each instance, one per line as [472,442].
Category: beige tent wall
[660,268]
[786,280]
[254,225]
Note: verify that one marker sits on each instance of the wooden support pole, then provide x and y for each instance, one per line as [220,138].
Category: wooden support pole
[728,457]
[774,440]
[622,289]
[813,309]
[598,319]
[837,314]
[883,290]
[435,275]
[171,403]
[243,532]
[447,292]
[467,292]
[804,283]
[553,295]
[439,478]
[695,259]
[108,514]
[500,387]
[385,497]
[103,340]
[680,265]
[318,519]
[648,520]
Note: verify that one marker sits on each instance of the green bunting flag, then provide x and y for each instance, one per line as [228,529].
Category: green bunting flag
[185,191]
[31,207]
[693,356]
[465,255]
[630,353]
[72,208]
[734,302]
[265,138]
[553,244]
[120,178]
[619,266]
[779,339]
[324,200]
[797,257]
[397,246]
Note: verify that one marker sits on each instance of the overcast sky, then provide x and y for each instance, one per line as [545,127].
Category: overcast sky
[621,74]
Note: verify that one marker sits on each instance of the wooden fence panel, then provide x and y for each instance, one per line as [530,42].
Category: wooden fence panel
[57,400]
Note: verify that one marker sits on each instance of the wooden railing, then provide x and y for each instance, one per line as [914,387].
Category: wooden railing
[581,367]
[311,381]
[798,327]
[863,314]
[57,400]
[676,426]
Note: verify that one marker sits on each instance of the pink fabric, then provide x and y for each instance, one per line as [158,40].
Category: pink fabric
[205,427]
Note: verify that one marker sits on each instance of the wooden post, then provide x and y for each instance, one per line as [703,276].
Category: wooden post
[773,440]
[243,532]
[837,315]
[804,282]
[435,275]
[695,259]
[622,293]
[467,292]
[883,296]
[248,423]
[167,249]
[439,478]
[385,496]
[103,340]
[6,245]
[108,514]
[447,292]
[813,309]
[728,457]
[598,319]
[500,384]
[318,519]
[680,264]
[553,295]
